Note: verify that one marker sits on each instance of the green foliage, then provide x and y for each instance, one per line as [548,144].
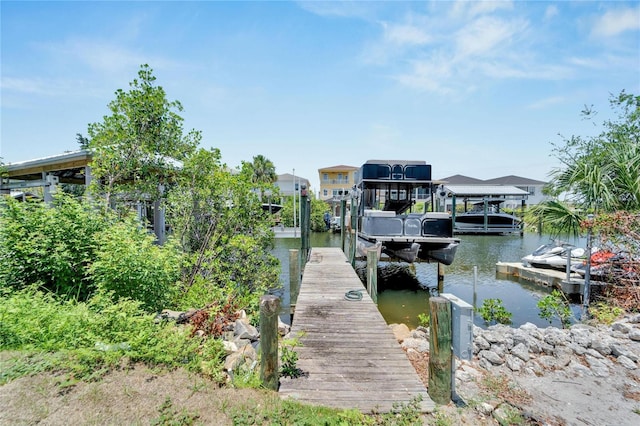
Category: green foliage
[424,320]
[92,336]
[170,416]
[51,247]
[604,313]
[221,226]
[135,147]
[492,311]
[141,270]
[318,208]
[289,358]
[555,305]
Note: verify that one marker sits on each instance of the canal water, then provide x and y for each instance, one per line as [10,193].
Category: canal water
[520,297]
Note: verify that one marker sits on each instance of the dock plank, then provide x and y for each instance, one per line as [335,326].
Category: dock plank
[349,356]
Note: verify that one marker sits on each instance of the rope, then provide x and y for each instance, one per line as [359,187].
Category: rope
[354,295]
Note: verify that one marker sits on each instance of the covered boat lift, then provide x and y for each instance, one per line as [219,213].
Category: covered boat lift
[485,195]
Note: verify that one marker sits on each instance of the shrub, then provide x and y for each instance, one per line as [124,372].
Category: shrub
[493,311]
[555,305]
[130,265]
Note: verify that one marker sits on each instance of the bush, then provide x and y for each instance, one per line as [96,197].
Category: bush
[130,265]
[98,333]
[48,246]
[493,311]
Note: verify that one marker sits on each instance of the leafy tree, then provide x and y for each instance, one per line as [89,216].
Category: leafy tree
[263,173]
[599,174]
[135,148]
[220,224]
[83,141]
[555,305]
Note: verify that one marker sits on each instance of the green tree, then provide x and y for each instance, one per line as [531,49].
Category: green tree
[136,147]
[599,174]
[220,224]
[263,173]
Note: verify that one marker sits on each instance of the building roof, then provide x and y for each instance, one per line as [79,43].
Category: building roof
[513,180]
[462,180]
[337,168]
[485,191]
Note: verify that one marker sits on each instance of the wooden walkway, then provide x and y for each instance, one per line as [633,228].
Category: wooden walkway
[349,356]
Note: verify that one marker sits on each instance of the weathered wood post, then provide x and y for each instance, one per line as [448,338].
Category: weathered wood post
[440,353]
[269,308]
[304,221]
[343,223]
[352,248]
[294,277]
[372,274]
[440,277]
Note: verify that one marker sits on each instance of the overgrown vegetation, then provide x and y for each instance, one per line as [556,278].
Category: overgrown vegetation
[83,278]
[492,311]
[555,305]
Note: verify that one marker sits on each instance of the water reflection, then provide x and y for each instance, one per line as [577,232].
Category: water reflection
[518,296]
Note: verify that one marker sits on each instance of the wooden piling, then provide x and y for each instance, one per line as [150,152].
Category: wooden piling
[440,352]
[372,274]
[352,248]
[269,308]
[294,277]
[440,277]
[343,224]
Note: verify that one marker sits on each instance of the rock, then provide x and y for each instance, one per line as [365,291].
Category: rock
[563,356]
[602,345]
[229,347]
[626,363]
[581,336]
[514,363]
[283,328]
[597,366]
[521,351]
[400,331]
[555,337]
[485,408]
[634,335]
[619,350]
[482,343]
[576,369]
[420,345]
[492,357]
[244,330]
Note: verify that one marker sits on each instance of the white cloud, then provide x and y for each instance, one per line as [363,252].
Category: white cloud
[550,12]
[487,35]
[614,22]
[405,34]
[471,9]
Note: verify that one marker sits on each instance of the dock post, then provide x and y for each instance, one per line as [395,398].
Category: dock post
[352,248]
[440,353]
[304,222]
[343,223]
[372,274]
[294,277]
[269,308]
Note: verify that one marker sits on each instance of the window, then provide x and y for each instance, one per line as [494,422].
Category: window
[325,192]
[325,177]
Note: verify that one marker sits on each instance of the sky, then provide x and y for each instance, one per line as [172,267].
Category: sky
[482,89]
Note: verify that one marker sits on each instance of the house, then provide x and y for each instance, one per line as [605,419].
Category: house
[288,184]
[336,181]
[515,190]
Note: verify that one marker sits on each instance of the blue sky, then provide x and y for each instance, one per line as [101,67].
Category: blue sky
[475,88]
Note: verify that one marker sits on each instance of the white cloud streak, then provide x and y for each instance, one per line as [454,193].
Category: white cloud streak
[615,22]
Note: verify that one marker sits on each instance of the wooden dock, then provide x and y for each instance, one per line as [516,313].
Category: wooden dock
[348,355]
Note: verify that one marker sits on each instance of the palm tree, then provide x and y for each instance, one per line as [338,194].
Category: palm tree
[263,173]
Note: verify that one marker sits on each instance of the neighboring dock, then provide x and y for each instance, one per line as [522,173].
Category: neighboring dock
[348,355]
[547,277]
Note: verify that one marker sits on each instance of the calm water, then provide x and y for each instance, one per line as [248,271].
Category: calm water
[519,297]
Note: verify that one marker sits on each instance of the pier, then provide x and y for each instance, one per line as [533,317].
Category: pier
[348,355]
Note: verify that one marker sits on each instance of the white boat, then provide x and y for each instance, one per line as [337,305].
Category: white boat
[386,191]
[555,255]
[489,221]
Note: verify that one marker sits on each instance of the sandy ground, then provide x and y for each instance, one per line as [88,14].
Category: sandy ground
[139,395]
